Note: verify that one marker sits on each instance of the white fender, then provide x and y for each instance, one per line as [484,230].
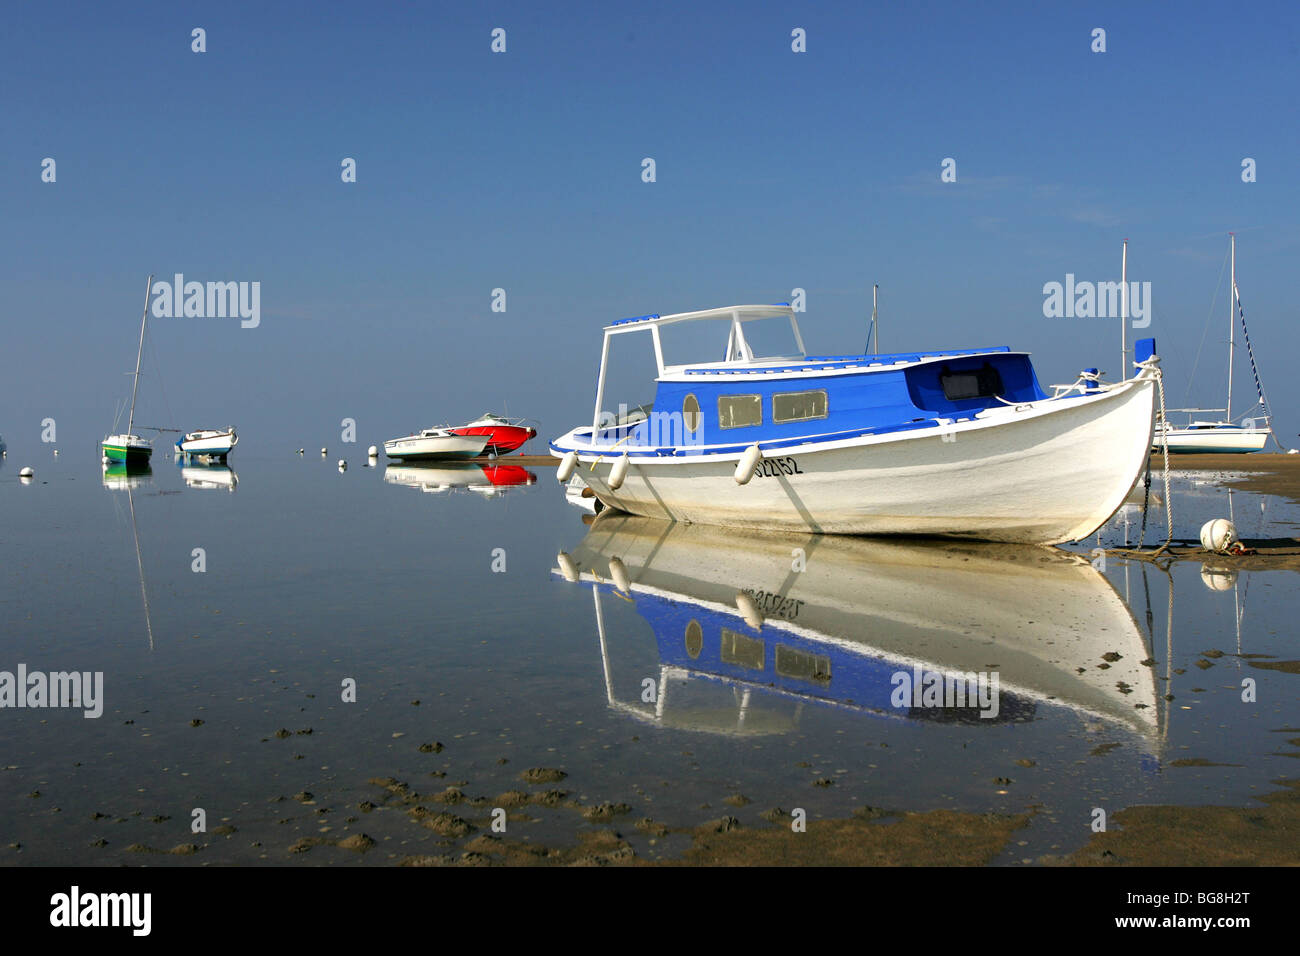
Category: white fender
[618,473]
[568,568]
[749,610]
[748,462]
[567,464]
[618,572]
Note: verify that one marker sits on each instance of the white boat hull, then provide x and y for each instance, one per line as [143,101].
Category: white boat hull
[212,445]
[1042,473]
[1213,441]
[435,447]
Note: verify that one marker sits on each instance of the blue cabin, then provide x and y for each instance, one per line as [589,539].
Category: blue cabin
[767,390]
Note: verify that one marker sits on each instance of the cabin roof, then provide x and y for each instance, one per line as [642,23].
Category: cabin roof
[824,363]
[745,313]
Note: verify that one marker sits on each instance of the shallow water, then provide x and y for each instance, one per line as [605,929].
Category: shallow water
[450,610]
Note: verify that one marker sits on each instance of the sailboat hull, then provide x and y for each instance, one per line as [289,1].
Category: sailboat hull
[1211,441]
[128,449]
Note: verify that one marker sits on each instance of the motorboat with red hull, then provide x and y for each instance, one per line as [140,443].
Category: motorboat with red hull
[504,435]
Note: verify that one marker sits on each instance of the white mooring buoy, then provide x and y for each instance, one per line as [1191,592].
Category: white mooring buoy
[1218,579]
[324,452]
[567,465]
[26,473]
[372,452]
[747,464]
[1218,535]
[343,465]
[618,474]
[300,451]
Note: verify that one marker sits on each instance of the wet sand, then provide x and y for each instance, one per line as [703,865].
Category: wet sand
[528,461]
[1199,836]
[1264,474]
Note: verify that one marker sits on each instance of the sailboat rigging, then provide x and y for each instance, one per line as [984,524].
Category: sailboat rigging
[128,447]
[1225,436]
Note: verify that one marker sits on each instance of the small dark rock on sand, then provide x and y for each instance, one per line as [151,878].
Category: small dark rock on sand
[604,812]
[543,775]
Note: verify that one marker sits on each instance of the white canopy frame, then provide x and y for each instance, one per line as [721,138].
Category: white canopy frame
[739,352]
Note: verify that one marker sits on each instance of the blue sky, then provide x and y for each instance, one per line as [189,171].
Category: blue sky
[522,170]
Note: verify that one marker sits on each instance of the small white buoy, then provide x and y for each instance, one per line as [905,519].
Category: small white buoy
[618,474]
[300,451]
[618,572]
[567,464]
[343,465]
[568,568]
[26,473]
[323,452]
[749,610]
[56,453]
[747,464]
[372,452]
[104,459]
[1218,535]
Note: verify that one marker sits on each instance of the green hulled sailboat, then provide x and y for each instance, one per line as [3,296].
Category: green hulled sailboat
[129,448]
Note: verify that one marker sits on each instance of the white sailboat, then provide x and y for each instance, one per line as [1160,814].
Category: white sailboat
[1223,436]
[208,443]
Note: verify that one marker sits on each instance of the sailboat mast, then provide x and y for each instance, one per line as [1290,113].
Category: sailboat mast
[135,385]
[1123,318]
[1232,321]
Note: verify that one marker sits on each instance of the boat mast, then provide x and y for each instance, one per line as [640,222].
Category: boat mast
[1232,320]
[135,385]
[1123,318]
[875,329]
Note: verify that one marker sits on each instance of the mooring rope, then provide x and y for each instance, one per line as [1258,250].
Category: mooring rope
[1164,448]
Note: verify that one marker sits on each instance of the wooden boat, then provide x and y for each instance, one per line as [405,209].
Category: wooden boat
[959,443]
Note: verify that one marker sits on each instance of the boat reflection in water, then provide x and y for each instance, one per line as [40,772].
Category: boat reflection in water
[123,476]
[208,475]
[751,627]
[128,476]
[487,480]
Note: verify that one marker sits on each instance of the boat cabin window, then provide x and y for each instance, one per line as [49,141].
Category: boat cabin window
[739,411]
[694,639]
[691,413]
[746,652]
[979,383]
[798,406]
[801,665]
